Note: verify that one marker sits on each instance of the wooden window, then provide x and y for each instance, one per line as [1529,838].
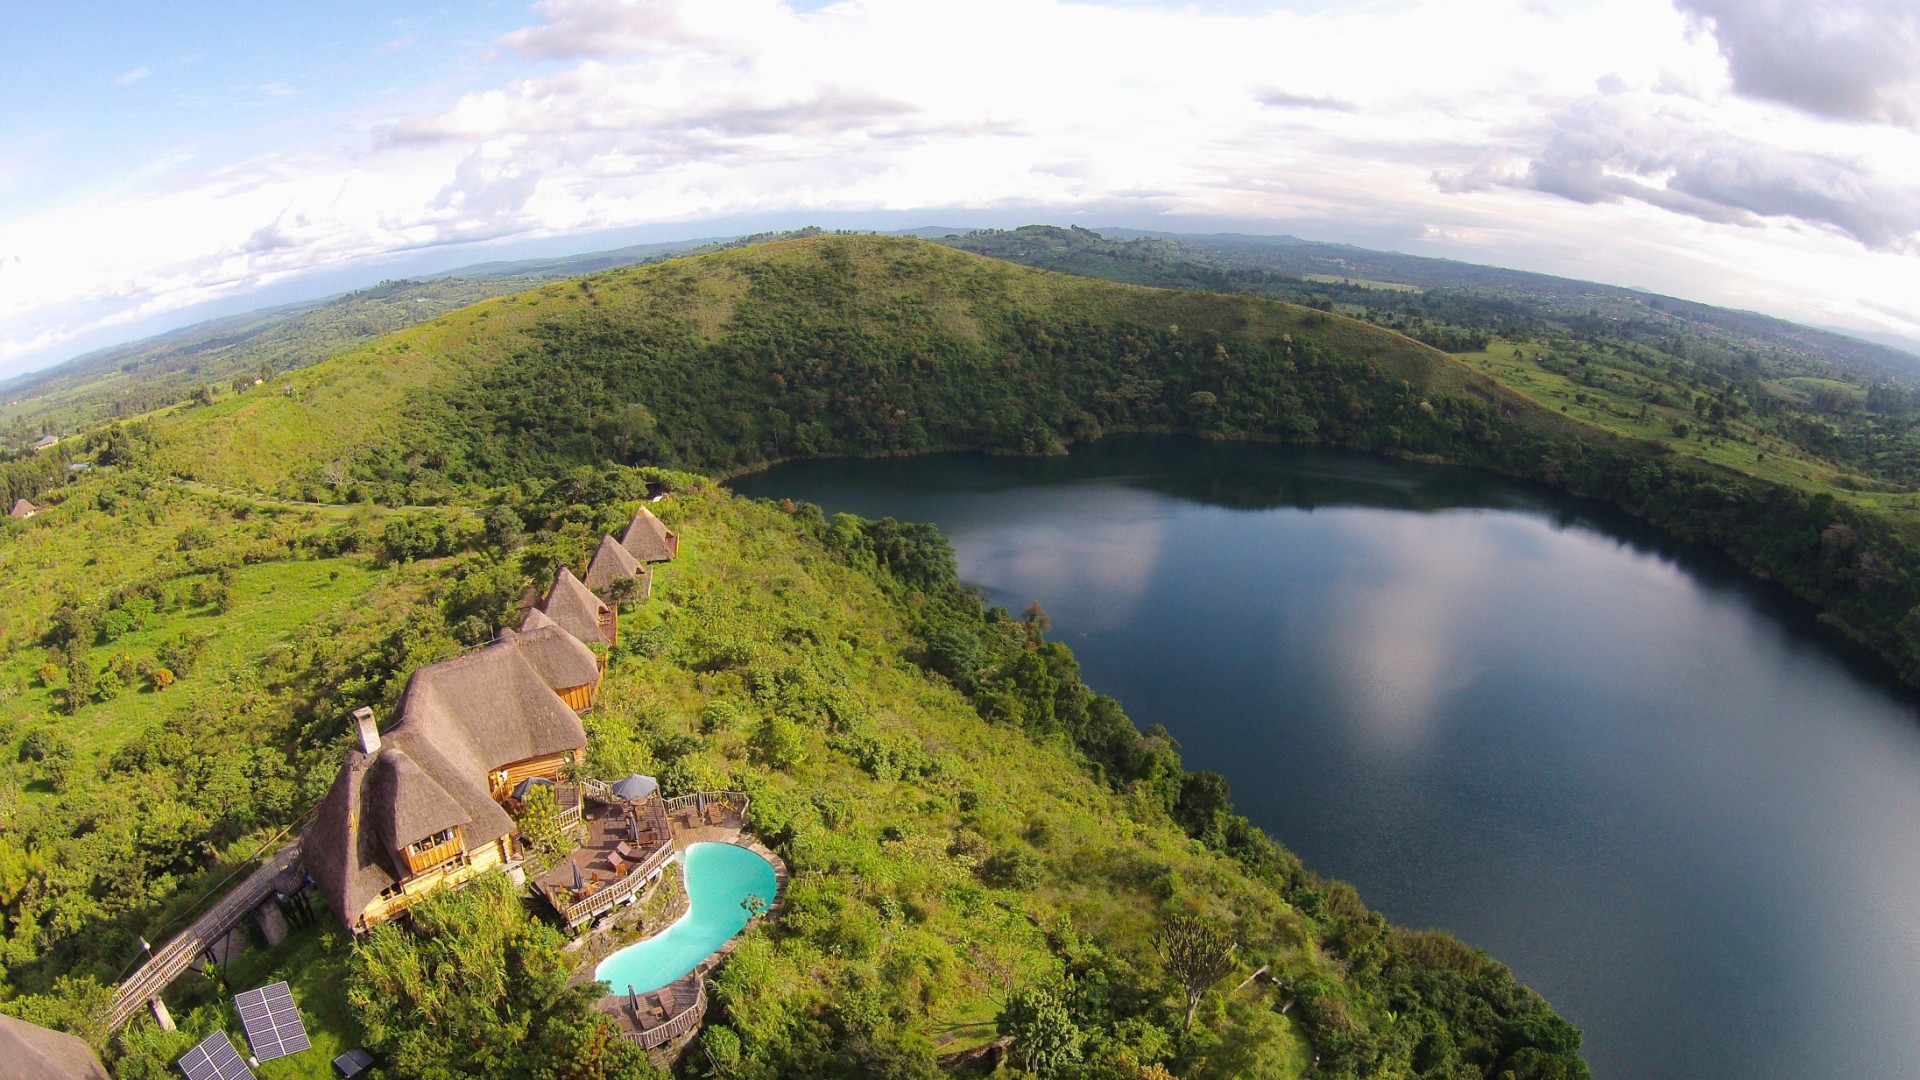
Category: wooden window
[442,847]
[421,847]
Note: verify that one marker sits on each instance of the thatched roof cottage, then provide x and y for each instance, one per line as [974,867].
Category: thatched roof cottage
[577,611]
[612,562]
[22,509]
[420,807]
[648,539]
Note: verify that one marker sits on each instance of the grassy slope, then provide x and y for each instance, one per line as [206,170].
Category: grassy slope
[1750,452]
[77,549]
[873,875]
[880,908]
[895,289]
[859,344]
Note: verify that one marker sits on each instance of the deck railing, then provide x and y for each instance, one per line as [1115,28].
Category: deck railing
[737,800]
[570,815]
[603,899]
[677,1025]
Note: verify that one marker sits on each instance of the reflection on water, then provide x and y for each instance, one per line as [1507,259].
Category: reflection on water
[1663,794]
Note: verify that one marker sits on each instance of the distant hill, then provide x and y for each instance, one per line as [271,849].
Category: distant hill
[141,376]
[830,344]
[860,344]
[131,379]
[1546,295]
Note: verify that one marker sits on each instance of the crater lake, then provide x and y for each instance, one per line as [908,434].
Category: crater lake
[1666,796]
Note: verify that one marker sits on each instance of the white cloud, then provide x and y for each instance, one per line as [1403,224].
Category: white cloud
[1851,59]
[134,76]
[1609,142]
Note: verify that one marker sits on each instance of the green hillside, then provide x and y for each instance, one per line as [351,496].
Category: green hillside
[982,845]
[873,345]
[825,345]
[979,842]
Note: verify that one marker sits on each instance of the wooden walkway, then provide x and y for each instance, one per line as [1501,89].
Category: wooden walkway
[152,978]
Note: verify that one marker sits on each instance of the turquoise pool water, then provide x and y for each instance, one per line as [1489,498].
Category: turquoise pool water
[718,877]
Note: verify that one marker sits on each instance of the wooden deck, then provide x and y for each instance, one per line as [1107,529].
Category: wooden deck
[715,815]
[662,1015]
[645,831]
[165,964]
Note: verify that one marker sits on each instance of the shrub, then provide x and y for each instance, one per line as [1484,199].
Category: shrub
[1011,868]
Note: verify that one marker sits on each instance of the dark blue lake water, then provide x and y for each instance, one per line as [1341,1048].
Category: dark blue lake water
[1665,796]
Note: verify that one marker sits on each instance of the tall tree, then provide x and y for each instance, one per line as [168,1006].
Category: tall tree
[1197,955]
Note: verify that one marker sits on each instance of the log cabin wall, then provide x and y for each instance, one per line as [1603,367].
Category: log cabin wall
[457,872]
[550,767]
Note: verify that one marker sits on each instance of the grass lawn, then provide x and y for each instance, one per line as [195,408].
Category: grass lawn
[270,605]
[1364,283]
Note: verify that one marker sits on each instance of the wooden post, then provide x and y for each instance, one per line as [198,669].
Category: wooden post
[160,1014]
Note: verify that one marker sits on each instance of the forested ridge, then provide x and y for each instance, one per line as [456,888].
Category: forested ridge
[872,345]
[986,851]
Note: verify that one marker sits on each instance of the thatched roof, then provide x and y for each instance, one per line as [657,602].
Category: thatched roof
[560,658]
[459,720]
[648,539]
[574,607]
[611,562]
[23,509]
[32,1052]
[407,804]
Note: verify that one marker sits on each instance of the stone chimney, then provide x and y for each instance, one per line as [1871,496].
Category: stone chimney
[369,730]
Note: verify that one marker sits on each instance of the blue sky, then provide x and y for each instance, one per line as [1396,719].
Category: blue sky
[162,162]
[96,93]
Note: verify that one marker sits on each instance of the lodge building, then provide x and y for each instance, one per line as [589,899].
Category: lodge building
[425,804]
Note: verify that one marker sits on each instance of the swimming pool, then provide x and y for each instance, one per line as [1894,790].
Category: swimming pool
[718,878]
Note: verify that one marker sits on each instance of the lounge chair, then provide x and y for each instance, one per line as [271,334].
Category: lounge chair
[627,851]
[620,865]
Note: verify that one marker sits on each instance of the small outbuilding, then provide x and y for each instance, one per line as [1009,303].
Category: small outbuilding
[46,442]
[611,563]
[576,610]
[31,1052]
[648,539]
[22,509]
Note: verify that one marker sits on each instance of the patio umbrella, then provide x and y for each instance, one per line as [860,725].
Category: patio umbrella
[700,801]
[577,883]
[635,787]
[524,787]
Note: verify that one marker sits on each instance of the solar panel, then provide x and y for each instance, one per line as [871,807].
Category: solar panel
[273,1025]
[215,1059]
